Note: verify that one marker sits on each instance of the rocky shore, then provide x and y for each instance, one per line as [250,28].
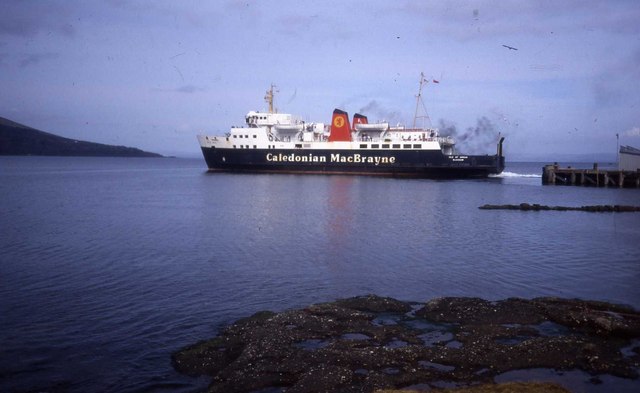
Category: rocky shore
[371,343]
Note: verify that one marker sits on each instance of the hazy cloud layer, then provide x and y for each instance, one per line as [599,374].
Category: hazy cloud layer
[632,132]
[572,80]
[35,58]
[28,18]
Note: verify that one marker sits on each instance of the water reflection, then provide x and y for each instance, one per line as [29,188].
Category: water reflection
[339,217]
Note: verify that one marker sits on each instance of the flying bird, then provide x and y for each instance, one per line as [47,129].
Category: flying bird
[510,47]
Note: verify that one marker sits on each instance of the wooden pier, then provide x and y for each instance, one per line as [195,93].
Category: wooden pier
[554,175]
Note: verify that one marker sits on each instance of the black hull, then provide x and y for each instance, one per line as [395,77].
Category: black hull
[397,163]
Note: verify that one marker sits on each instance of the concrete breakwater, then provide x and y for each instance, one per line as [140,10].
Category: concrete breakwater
[591,208]
[595,177]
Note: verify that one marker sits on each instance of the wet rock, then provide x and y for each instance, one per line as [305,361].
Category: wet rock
[375,304]
[511,387]
[343,346]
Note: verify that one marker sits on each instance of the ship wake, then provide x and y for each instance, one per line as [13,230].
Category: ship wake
[513,174]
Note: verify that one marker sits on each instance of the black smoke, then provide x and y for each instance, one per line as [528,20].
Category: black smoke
[480,139]
[375,112]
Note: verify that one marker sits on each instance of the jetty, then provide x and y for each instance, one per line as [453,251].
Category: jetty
[595,177]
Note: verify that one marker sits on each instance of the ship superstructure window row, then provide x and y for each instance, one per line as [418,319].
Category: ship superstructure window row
[392,146]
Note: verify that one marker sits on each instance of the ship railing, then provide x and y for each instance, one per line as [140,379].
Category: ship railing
[402,139]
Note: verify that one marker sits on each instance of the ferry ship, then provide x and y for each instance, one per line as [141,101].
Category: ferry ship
[272,142]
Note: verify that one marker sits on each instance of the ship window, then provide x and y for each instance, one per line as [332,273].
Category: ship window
[255,136]
[363,145]
[385,146]
[418,146]
[235,136]
[298,145]
[255,147]
[396,146]
[375,146]
[406,146]
[234,146]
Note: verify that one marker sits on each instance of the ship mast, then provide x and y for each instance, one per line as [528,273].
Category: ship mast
[269,98]
[418,102]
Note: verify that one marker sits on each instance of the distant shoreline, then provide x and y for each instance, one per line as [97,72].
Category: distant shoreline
[19,140]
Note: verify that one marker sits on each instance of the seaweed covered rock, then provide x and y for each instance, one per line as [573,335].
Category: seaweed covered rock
[369,343]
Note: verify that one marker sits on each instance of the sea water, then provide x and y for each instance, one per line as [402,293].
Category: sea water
[108,265]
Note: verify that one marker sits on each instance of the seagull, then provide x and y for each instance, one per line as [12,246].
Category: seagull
[510,47]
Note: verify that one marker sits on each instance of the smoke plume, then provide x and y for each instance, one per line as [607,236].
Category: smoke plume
[375,112]
[474,140]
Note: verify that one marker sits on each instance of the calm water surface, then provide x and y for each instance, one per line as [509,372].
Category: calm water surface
[108,265]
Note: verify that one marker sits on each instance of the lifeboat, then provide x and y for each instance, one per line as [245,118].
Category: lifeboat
[289,127]
[372,126]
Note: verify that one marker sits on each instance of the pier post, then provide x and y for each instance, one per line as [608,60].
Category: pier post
[548,174]
[620,179]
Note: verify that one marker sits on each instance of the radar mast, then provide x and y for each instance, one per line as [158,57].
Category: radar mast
[269,98]
[419,102]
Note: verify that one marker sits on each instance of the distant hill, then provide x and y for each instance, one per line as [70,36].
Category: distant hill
[19,140]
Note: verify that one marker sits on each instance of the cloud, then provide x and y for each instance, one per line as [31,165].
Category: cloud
[189,89]
[35,58]
[118,3]
[616,84]
[470,20]
[632,132]
[28,18]
[186,89]
[295,25]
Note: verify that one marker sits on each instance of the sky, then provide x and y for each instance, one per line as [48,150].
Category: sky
[154,74]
